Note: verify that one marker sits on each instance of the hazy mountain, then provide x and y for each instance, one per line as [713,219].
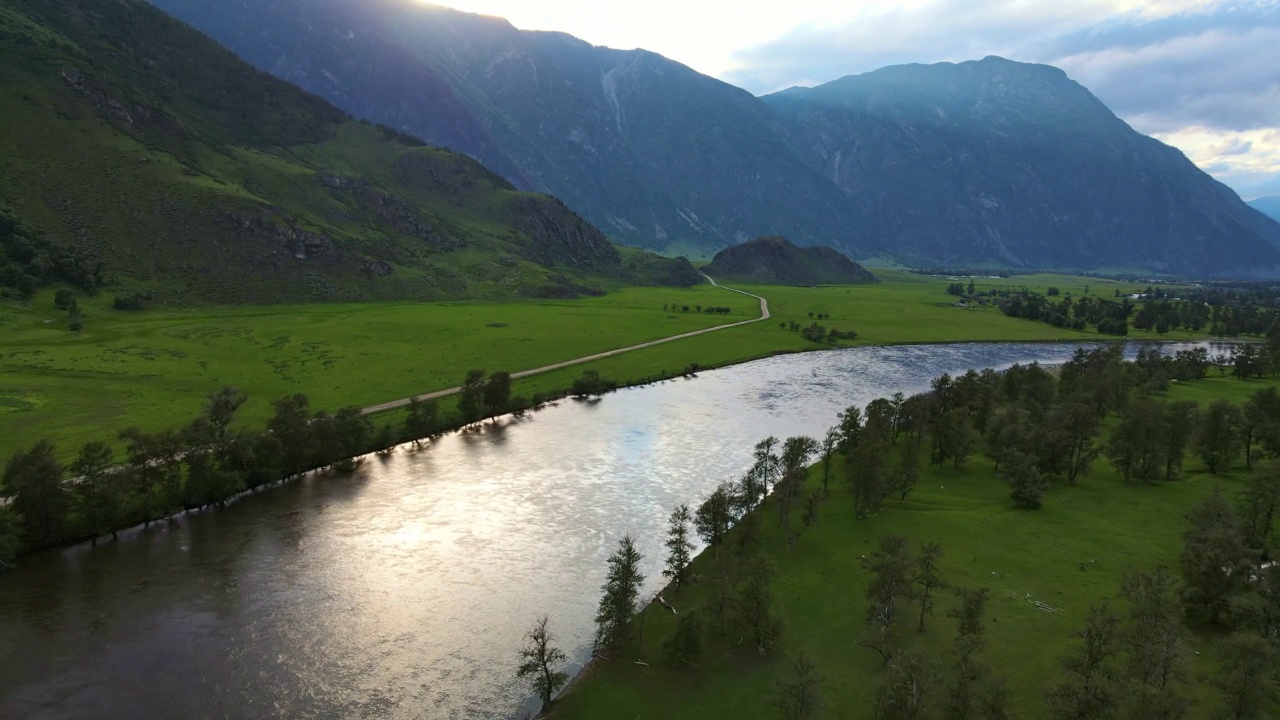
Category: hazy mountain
[652,152]
[776,261]
[989,162]
[1007,162]
[132,139]
[1269,206]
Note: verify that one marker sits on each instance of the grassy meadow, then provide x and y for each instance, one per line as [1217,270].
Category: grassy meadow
[1069,555]
[154,368]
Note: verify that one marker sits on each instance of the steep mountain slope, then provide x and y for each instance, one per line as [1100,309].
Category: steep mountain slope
[652,152]
[1269,206]
[1013,163]
[141,142]
[989,162]
[776,261]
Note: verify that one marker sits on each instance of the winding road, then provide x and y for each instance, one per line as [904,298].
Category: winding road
[764,315]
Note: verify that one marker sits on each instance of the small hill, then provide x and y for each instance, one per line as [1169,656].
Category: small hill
[138,152]
[775,260]
[1269,206]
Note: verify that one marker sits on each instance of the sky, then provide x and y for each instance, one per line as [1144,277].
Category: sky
[1201,75]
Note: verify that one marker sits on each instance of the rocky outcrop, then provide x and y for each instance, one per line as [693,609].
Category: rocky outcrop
[558,237]
[776,261]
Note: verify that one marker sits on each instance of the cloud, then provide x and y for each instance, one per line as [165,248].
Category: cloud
[1200,75]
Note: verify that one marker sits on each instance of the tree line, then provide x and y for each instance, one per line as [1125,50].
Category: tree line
[1041,430]
[206,462]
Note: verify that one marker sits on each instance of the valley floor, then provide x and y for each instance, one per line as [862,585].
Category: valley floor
[155,368]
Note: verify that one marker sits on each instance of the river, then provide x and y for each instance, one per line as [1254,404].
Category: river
[404,589]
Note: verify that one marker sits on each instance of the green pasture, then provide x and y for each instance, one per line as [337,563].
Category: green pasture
[154,368]
[1070,554]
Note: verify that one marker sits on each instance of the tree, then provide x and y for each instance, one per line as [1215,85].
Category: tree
[538,661]
[1091,689]
[1155,646]
[1246,678]
[33,480]
[423,420]
[974,692]
[1132,447]
[97,493]
[1214,558]
[679,547]
[1217,440]
[829,442]
[1177,427]
[754,605]
[684,647]
[906,473]
[927,579]
[497,394]
[1258,504]
[867,477]
[291,425]
[907,689]
[954,438]
[621,591]
[1009,429]
[891,580]
[715,516]
[10,535]
[797,696]
[1026,482]
[471,398]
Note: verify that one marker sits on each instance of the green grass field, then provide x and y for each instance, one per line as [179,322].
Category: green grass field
[1070,554]
[153,369]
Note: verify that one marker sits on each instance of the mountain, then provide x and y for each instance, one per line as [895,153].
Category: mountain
[776,261]
[655,154]
[1016,164]
[981,163]
[1269,206]
[136,141]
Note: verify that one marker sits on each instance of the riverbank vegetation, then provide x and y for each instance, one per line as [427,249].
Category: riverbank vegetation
[1091,543]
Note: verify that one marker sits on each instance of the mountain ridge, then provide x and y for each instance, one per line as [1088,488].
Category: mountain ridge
[190,174]
[774,260]
[660,156]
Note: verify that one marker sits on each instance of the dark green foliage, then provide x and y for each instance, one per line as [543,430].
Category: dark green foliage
[1214,559]
[29,260]
[1155,646]
[1246,678]
[291,427]
[471,399]
[973,692]
[679,545]
[11,527]
[1218,439]
[927,578]
[539,659]
[754,611]
[98,492]
[1091,689]
[1027,484]
[590,383]
[497,393]
[1133,448]
[684,647]
[797,694]
[891,585]
[621,592]
[1258,504]
[33,481]
[908,689]
[423,419]
[715,515]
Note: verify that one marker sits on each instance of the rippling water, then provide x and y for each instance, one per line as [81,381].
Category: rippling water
[404,590]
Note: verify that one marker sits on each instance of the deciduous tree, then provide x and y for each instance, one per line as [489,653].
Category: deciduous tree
[539,661]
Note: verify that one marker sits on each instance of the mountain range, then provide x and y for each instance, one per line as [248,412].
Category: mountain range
[982,163]
[193,177]
[1269,206]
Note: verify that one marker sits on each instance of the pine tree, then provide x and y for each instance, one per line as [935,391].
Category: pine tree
[679,546]
[621,591]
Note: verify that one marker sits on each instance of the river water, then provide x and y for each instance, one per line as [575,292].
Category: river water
[404,589]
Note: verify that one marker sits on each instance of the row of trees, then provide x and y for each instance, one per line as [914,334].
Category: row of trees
[208,461]
[1039,429]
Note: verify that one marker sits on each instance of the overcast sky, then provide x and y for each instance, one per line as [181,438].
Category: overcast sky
[1202,75]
